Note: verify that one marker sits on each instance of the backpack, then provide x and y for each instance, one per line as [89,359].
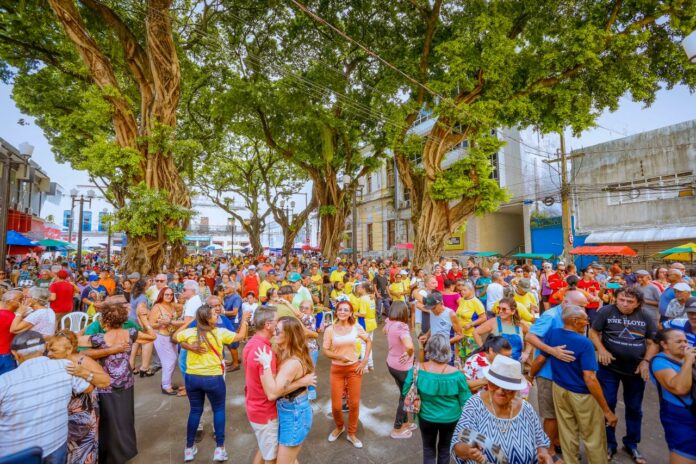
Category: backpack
[692,392]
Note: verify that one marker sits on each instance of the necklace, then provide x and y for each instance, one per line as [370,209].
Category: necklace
[503,425]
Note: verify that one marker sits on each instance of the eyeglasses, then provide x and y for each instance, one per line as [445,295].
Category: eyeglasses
[160,280]
[503,308]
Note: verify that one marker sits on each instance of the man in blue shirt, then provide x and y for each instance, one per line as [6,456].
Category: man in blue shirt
[233,310]
[674,276]
[577,396]
[686,325]
[551,319]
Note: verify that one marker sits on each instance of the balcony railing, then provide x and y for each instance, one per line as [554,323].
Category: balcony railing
[211,229]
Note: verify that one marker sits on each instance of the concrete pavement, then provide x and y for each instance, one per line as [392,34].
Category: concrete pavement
[161,424]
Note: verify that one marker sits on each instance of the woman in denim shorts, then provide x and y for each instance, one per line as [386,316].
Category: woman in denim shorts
[294,410]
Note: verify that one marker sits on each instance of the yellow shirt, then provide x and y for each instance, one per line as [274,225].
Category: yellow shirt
[317,278]
[265,287]
[398,287]
[466,311]
[335,294]
[523,302]
[367,308]
[337,276]
[349,287]
[208,363]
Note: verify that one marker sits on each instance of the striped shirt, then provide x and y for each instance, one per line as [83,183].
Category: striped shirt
[34,405]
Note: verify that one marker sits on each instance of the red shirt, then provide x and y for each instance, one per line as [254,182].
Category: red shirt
[260,410]
[210,282]
[556,282]
[451,275]
[251,284]
[64,291]
[592,287]
[440,282]
[6,318]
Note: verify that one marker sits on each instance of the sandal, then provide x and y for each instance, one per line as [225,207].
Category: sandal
[401,435]
[169,392]
[147,373]
[635,455]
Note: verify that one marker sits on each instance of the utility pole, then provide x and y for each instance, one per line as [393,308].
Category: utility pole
[566,213]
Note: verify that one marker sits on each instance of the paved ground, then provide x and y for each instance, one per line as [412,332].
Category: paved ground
[161,424]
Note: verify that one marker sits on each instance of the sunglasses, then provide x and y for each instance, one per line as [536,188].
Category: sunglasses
[160,280]
[493,387]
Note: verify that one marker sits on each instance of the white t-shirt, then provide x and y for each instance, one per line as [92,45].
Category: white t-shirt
[494,293]
[419,313]
[192,305]
[249,308]
[43,320]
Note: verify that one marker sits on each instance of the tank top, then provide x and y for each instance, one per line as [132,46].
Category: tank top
[513,334]
[442,323]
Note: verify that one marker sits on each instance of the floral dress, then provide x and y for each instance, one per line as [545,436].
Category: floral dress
[83,428]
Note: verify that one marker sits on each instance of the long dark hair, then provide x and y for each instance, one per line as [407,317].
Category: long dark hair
[203,314]
[497,343]
[138,288]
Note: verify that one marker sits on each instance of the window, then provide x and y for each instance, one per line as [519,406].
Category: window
[368,184]
[494,167]
[369,238]
[390,173]
[102,226]
[67,218]
[87,221]
[391,233]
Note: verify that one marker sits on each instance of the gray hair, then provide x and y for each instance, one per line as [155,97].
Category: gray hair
[496,276]
[438,349]
[10,295]
[212,297]
[39,294]
[262,315]
[467,283]
[571,311]
[191,285]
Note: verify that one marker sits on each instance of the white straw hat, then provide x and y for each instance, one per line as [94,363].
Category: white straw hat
[506,373]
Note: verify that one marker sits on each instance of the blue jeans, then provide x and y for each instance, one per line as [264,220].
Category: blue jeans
[313,390]
[633,389]
[7,363]
[294,420]
[59,456]
[197,388]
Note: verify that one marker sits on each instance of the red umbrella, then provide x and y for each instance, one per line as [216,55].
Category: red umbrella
[404,246]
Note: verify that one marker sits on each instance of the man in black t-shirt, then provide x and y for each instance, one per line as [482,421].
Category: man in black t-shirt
[381,282]
[623,335]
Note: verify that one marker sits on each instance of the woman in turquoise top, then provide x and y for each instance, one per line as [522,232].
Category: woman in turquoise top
[443,391]
[671,372]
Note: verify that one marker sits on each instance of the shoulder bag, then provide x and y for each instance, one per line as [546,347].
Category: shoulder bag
[412,401]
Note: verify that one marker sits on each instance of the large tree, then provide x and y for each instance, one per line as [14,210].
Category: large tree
[251,172]
[486,65]
[306,95]
[103,79]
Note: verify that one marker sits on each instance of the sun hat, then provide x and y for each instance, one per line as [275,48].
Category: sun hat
[524,284]
[681,287]
[506,373]
[642,272]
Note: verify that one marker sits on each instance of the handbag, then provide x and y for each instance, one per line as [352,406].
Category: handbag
[412,401]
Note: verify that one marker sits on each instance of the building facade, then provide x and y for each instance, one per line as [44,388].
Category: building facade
[638,191]
[384,207]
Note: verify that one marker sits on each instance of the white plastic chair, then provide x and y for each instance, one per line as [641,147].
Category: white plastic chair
[76,321]
[96,317]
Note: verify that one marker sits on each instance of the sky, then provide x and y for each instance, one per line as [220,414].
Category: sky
[670,107]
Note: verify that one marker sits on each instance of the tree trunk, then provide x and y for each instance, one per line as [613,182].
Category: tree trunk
[333,210]
[255,242]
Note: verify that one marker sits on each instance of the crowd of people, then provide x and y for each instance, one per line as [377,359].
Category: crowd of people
[467,344]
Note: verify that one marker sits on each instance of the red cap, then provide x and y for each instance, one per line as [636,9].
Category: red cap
[62,274]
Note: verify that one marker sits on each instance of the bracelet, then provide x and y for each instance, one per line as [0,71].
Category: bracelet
[90,377]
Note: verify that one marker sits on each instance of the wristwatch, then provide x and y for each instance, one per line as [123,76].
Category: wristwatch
[90,377]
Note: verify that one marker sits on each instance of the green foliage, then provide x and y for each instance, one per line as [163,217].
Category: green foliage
[469,178]
[143,214]
[327,210]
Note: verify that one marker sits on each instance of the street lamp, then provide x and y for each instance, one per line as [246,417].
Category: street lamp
[232,227]
[81,200]
[25,150]
[689,44]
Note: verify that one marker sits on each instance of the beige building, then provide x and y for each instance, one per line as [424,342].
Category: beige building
[638,190]
[384,209]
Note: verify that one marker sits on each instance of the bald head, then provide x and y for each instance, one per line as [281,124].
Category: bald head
[574,298]
[572,312]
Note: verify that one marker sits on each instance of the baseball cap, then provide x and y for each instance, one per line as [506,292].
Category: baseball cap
[252,268]
[524,283]
[690,305]
[134,275]
[294,277]
[682,287]
[28,339]
[271,272]
[62,274]
[403,273]
[561,263]
[642,272]
[93,278]
[432,300]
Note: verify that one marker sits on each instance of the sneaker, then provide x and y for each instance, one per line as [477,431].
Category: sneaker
[190,454]
[220,454]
